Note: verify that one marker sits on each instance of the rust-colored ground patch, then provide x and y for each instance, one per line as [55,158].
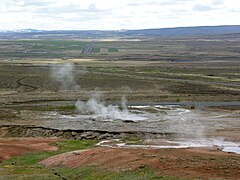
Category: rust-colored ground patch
[10,147]
[188,163]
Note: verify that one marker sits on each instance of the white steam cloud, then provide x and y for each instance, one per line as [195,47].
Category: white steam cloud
[64,75]
[95,105]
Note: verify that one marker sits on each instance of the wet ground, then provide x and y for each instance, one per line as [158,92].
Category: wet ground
[177,141]
[153,119]
[174,125]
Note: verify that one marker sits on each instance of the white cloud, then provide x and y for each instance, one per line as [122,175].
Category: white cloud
[116,14]
[201,7]
[217,2]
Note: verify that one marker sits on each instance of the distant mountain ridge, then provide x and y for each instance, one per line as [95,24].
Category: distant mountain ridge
[186,31]
[178,31]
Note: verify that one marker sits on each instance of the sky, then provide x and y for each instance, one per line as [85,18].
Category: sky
[116,14]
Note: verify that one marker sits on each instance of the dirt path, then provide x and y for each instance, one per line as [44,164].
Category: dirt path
[10,147]
[21,83]
[88,48]
[184,163]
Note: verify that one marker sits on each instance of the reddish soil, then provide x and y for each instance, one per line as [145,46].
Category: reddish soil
[184,163]
[10,147]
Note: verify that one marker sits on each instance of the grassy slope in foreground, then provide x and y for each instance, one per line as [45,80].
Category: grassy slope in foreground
[27,167]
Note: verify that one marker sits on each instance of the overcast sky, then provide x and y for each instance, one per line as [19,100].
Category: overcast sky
[116,14]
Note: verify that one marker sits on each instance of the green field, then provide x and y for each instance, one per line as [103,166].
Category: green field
[27,167]
[142,69]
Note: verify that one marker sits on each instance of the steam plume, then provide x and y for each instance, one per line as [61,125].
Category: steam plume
[95,105]
[64,75]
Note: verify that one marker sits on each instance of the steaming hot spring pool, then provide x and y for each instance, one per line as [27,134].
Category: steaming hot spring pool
[179,127]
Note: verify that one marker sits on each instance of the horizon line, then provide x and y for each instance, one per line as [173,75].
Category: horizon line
[116,29]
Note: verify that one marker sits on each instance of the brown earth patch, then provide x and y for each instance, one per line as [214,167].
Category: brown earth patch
[184,163]
[10,147]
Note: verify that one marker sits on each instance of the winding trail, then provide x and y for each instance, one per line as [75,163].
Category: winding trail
[21,83]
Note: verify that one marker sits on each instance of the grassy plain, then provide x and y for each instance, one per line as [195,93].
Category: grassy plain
[27,167]
[145,69]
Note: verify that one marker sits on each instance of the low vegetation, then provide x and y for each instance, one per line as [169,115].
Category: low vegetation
[27,167]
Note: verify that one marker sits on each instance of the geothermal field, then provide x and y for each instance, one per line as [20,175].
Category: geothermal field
[114,106]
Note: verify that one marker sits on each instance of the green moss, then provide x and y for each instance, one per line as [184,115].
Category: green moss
[132,139]
[27,167]
[63,146]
